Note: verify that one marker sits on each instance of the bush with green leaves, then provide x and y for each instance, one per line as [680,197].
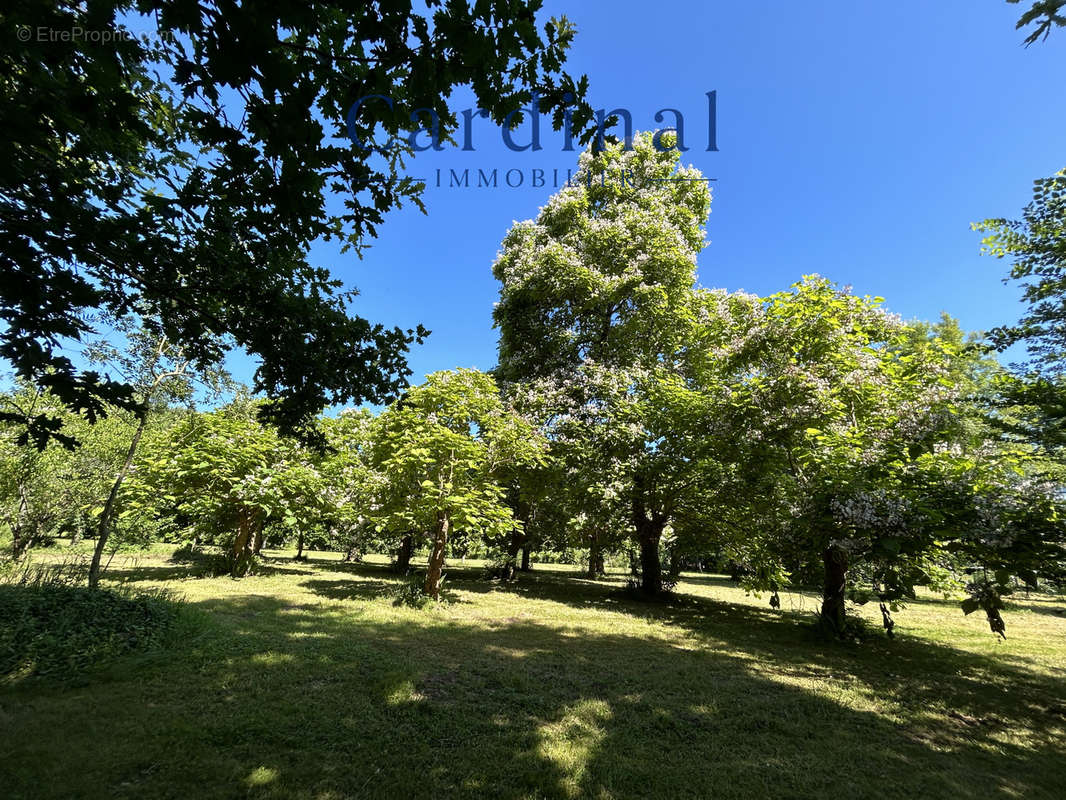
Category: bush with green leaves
[55,629]
[410,592]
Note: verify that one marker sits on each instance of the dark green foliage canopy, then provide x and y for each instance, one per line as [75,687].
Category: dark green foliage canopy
[181,176]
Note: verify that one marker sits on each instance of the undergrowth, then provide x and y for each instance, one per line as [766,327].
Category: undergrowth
[55,628]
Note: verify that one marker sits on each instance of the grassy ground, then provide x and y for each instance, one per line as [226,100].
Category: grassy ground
[308,683]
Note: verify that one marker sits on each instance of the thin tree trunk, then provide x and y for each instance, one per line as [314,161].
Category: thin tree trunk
[352,554]
[103,528]
[79,531]
[525,558]
[436,558]
[675,565]
[513,546]
[300,545]
[835,560]
[403,554]
[19,542]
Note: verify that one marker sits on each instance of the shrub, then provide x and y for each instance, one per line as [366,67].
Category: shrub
[214,564]
[501,570]
[410,593]
[58,630]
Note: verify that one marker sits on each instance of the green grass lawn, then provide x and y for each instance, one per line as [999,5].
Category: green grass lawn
[309,683]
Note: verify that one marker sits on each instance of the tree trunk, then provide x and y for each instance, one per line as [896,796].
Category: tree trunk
[300,546]
[525,558]
[79,531]
[835,560]
[403,554]
[241,552]
[436,557]
[103,529]
[649,532]
[675,565]
[257,541]
[513,546]
[595,557]
[19,542]
[352,555]
[651,568]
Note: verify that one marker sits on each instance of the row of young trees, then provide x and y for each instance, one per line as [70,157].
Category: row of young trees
[432,464]
[807,438]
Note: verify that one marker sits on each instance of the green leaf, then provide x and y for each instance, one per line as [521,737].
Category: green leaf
[890,544]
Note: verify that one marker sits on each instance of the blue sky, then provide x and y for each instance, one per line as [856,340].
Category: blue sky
[856,140]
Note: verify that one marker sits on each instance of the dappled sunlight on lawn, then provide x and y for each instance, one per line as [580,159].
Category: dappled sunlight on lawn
[311,683]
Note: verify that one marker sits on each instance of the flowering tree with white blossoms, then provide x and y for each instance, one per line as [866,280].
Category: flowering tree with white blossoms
[582,492]
[809,428]
[839,407]
[872,459]
[596,300]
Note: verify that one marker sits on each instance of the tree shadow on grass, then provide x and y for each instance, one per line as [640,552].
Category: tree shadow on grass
[281,566]
[709,579]
[366,585]
[136,574]
[189,571]
[350,589]
[355,568]
[909,671]
[299,700]
[279,698]
[1051,606]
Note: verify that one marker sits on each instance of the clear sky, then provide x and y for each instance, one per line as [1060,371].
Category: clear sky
[857,140]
